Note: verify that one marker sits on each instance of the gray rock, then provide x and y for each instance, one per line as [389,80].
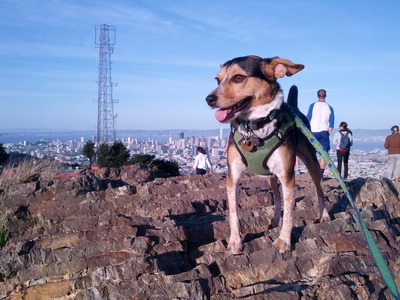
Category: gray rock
[122,234]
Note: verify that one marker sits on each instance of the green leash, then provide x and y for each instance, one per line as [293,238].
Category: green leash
[376,254]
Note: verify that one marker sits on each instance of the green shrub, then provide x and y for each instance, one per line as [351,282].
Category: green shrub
[4,234]
[3,154]
[162,168]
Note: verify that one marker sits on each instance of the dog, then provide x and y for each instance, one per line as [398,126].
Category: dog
[249,97]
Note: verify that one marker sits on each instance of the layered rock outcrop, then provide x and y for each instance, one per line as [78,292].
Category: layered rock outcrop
[121,234]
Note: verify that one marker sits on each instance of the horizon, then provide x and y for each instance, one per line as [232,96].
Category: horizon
[60,130]
[167,55]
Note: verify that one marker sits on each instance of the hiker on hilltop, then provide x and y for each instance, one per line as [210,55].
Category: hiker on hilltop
[343,139]
[392,143]
[322,118]
[201,162]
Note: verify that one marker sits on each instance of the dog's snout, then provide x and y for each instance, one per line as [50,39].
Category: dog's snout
[211,99]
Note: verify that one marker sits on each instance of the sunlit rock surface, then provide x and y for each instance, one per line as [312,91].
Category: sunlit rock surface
[121,234]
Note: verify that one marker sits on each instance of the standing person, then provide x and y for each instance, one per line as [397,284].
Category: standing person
[343,139]
[392,143]
[201,162]
[297,166]
[322,118]
[219,169]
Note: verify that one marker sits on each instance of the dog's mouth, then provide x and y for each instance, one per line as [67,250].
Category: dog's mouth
[223,115]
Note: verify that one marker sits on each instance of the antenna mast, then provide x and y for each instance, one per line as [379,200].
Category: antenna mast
[105,38]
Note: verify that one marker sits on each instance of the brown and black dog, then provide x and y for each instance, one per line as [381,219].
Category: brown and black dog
[249,97]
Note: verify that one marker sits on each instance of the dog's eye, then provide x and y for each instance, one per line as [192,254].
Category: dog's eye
[238,78]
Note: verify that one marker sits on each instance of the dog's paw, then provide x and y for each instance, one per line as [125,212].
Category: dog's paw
[281,246]
[235,247]
[324,217]
[275,222]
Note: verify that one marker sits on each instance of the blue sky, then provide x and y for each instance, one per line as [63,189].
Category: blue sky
[167,54]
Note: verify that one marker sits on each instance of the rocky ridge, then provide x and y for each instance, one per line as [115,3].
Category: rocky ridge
[124,234]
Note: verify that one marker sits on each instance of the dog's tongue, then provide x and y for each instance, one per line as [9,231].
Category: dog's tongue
[220,114]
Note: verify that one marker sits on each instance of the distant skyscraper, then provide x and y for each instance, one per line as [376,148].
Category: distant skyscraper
[194,150]
[82,139]
[223,143]
[181,135]
[72,144]
[221,134]
[170,138]
[159,149]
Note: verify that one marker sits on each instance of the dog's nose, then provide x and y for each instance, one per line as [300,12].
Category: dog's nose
[211,99]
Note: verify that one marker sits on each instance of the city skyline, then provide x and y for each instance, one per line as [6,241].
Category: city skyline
[363,139]
[167,55]
[183,149]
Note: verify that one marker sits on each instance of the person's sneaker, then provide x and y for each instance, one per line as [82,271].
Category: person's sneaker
[297,171]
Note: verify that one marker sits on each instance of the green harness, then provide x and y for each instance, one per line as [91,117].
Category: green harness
[256,159]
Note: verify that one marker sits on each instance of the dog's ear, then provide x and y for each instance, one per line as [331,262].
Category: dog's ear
[279,67]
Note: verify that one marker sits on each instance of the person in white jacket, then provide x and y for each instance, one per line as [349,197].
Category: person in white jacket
[201,162]
[343,153]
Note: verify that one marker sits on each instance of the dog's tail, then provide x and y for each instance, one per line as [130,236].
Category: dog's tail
[292,102]
[292,96]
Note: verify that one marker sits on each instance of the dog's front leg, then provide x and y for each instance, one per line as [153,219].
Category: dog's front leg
[236,167]
[282,164]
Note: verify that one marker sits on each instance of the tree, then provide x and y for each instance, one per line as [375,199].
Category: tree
[143,158]
[3,154]
[89,151]
[162,168]
[114,156]
[102,155]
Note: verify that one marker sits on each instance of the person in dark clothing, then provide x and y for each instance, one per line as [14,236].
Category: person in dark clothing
[343,154]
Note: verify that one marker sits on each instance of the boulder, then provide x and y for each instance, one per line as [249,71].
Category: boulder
[122,234]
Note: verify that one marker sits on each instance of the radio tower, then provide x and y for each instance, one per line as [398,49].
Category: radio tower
[105,38]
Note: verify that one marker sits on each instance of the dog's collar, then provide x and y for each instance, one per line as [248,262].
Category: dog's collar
[259,123]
